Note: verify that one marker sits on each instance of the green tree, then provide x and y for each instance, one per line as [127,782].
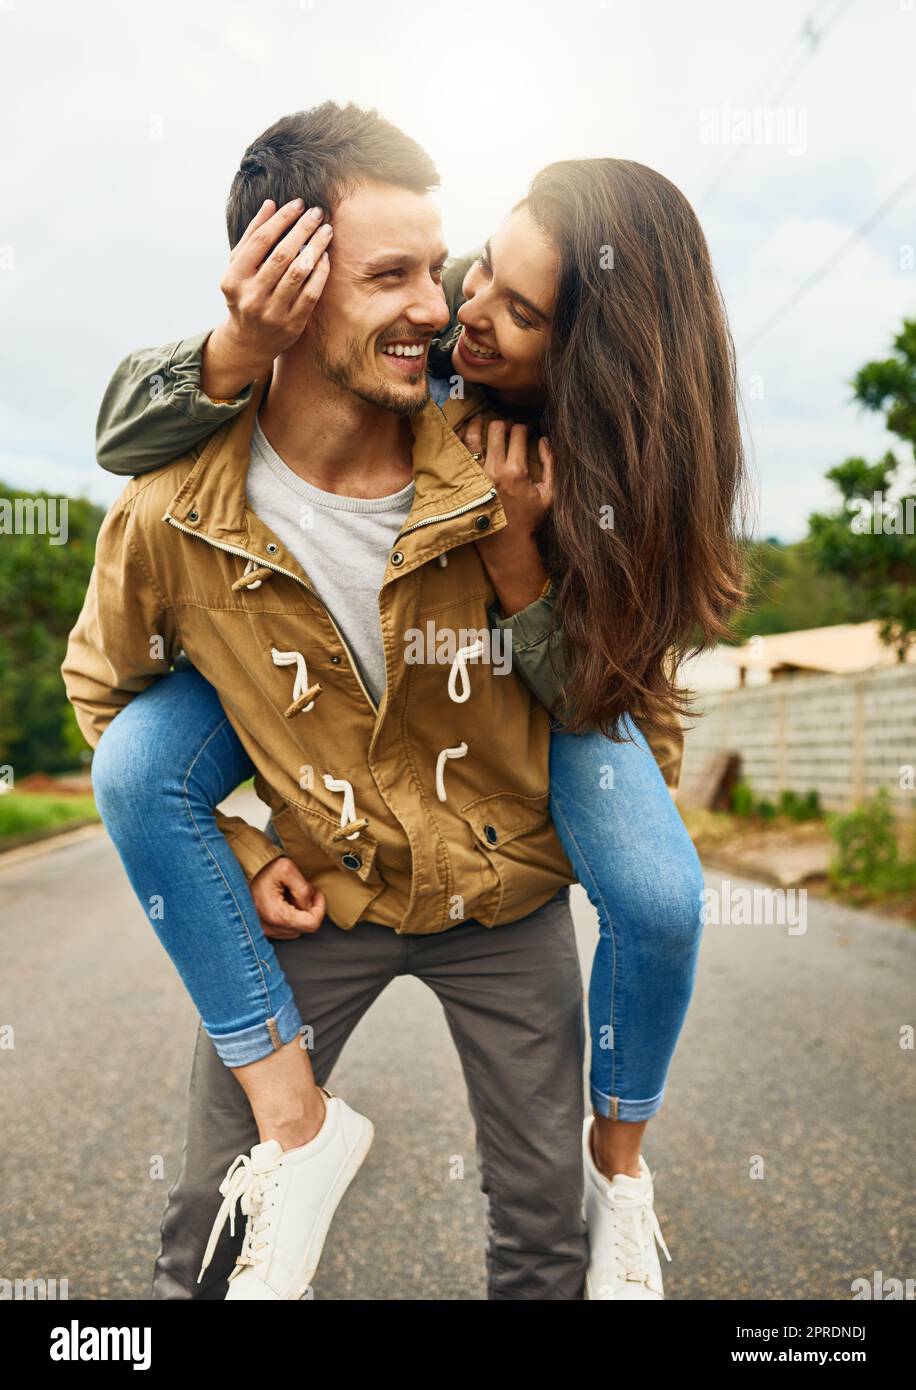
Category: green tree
[871,537]
[787,591]
[41,593]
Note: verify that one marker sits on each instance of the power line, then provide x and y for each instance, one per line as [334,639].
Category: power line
[812,36]
[831,261]
[815,38]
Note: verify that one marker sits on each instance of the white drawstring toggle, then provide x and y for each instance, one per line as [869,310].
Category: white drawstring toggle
[348,812]
[301,683]
[459,671]
[250,569]
[442,759]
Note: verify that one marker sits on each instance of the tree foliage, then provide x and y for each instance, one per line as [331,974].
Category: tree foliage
[870,538]
[41,592]
[787,592]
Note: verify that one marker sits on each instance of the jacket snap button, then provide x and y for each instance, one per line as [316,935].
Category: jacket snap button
[351,861]
[397,557]
[491,833]
[271,548]
[193,516]
[336,660]
[482,523]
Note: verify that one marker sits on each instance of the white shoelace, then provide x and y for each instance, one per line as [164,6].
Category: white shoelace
[242,1184]
[442,759]
[348,810]
[459,672]
[635,1226]
[301,683]
[250,569]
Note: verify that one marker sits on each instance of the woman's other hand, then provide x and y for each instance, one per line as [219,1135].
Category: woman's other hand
[511,555]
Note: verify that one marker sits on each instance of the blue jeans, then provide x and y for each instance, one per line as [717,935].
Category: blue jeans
[631,852]
[170,756]
[161,767]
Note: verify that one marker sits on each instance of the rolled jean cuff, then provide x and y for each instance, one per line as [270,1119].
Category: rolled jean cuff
[631,1111]
[251,1044]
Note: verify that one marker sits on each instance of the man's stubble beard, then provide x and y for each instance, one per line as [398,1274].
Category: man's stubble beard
[343,372]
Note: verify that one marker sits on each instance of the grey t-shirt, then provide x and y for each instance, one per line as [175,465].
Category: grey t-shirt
[342,543]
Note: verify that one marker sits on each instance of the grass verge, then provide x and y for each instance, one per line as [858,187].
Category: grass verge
[33,813]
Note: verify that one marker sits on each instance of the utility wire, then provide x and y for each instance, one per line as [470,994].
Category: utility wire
[813,36]
[831,261]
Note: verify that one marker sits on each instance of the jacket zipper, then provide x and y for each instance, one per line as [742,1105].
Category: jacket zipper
[447,516]
[278,569]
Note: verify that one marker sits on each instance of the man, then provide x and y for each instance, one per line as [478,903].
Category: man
[424,821]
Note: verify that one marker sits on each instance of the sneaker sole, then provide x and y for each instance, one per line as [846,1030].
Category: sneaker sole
[351,1167]
[587,1297]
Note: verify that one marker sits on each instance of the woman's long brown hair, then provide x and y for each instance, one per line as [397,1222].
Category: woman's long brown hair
[643,418]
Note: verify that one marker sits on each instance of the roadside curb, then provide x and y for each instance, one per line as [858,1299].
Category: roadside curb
[757,869]
[48,840]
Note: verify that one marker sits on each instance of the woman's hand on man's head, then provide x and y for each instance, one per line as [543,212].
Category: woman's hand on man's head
[274,279]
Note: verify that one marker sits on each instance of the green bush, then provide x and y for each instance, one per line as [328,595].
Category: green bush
[794,807]
[800,808]
[866,856]
[41,593]
[743,799]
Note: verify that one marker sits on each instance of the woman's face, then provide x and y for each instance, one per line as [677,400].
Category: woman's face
[510,294]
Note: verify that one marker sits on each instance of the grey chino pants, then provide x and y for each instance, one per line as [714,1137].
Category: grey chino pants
[512,997]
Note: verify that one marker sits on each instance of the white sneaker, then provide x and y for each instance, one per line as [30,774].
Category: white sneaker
[622,1231]
[289,1198]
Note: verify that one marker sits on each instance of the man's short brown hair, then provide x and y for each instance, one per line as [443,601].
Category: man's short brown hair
[321,155]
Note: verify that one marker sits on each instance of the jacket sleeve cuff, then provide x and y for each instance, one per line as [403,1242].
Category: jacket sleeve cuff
[185,393]
[251,847]
[529,626]
[538,651]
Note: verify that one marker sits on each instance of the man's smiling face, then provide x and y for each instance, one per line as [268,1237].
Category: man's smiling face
[383,300]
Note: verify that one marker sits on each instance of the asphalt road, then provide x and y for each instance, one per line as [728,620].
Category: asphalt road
[791,1055]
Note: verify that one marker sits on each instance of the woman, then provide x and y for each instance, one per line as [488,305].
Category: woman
[591,319]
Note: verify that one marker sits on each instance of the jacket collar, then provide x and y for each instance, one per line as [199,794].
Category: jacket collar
[212,499]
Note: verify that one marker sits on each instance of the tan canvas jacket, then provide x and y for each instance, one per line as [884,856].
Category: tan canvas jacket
[426,811]
[153,410]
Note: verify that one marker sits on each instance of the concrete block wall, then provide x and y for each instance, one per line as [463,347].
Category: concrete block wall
[843,736]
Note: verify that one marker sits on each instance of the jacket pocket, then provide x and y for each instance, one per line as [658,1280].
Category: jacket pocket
[517,836]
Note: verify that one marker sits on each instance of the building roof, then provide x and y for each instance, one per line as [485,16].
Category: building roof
[839,649]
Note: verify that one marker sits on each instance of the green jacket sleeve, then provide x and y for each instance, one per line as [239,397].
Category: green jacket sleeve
[154,410]
[453,278]
[538,653]
[440,350]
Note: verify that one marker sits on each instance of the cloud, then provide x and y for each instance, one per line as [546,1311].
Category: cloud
[129,122]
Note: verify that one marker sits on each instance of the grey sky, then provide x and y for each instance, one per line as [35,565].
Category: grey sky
[124,125]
